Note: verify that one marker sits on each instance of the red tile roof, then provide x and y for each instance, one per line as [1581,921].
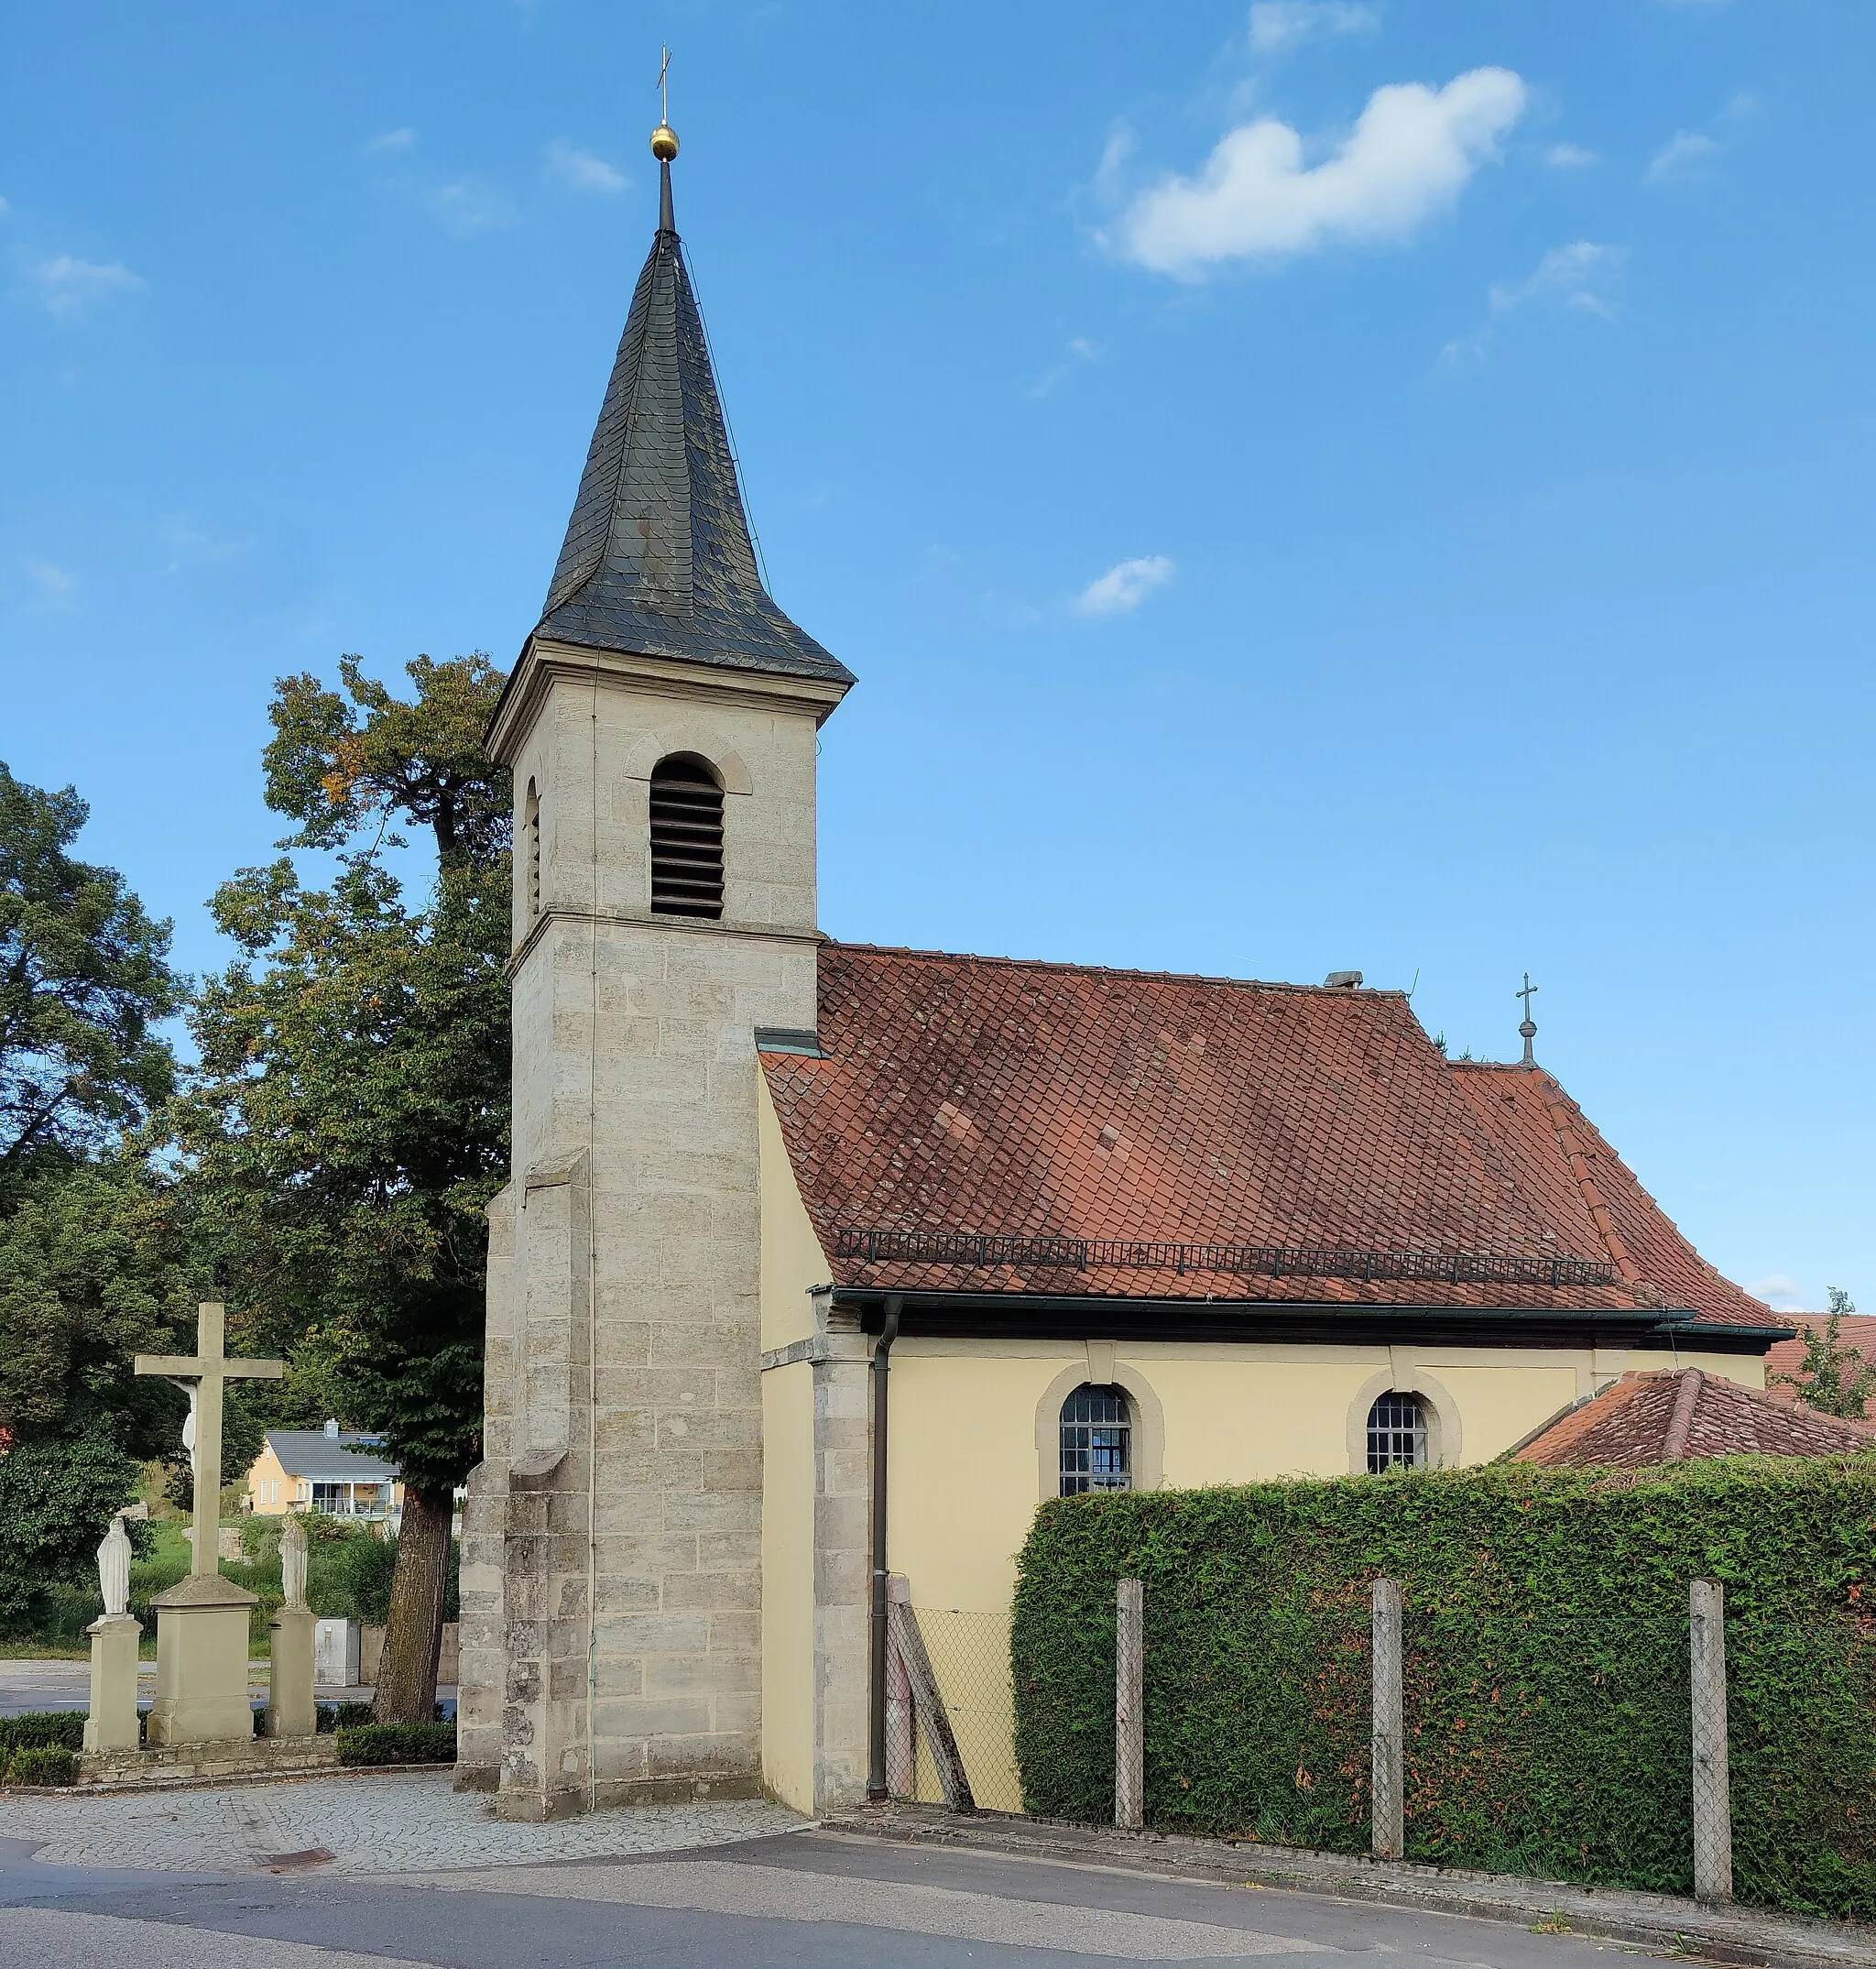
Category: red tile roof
[1590,1197]
[1857,1330]
[1052,1101]
[1643,1419]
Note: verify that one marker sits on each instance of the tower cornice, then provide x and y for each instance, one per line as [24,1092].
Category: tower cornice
[545,662]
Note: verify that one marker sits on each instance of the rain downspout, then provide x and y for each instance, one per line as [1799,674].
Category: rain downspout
[876,1721]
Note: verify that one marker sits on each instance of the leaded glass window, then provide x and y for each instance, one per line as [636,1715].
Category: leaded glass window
[1396,1434]
[1096,1441]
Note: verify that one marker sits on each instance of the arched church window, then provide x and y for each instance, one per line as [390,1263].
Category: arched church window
[532,821]
[1096,1441]
[686,840]
[1396,1434]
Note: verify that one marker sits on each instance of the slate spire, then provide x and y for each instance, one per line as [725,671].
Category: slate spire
[657,558]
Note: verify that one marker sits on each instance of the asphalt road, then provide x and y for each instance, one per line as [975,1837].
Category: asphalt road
[807,1900]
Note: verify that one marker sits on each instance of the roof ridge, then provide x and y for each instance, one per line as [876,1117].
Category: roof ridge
[1559,1110]
[1115,970]
[1674,1445]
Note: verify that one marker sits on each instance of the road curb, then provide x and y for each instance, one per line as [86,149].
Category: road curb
[1661,1921]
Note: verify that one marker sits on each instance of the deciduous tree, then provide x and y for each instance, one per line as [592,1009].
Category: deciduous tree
[350,1120]
[1834,1377]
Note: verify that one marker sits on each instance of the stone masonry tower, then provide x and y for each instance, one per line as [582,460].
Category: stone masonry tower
[661,726]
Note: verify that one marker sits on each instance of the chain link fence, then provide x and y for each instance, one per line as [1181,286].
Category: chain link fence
[1558,1747]
[1801,1747]
[969,1657]
[1704,1754]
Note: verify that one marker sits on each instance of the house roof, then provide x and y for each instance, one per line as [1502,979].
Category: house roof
[1857,1330]
[1275,1142]
[323,1459]
[1643,1419]
[657,558]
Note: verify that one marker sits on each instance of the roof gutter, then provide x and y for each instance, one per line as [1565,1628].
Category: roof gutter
[1078,1316]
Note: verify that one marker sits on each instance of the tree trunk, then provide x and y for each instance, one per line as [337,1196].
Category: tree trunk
[414,1634]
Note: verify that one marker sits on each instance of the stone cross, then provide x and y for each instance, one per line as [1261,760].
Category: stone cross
[202,1375]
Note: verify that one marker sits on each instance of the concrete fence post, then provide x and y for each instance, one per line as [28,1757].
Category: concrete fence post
[1713,1817]
[1130,1685]
[900,1765]
[1390,1794]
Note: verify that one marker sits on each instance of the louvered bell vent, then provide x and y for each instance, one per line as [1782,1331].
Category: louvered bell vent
[686,840]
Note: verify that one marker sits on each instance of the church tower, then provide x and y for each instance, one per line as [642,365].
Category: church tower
[660,727]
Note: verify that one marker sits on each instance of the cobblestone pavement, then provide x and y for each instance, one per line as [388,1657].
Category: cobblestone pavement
[370,1823]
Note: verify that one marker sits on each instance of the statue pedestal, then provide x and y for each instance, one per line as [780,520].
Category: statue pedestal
[202,1662]
[112,1724]
[290,1708]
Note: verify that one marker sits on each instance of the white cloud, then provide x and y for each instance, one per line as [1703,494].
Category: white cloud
[1579,276]
[1686,154]
[1411,154]
[468,206]
[1280,24]
[1125,586]
[69,286]
[583,171]
[192,546]
[53,579]
[1569,158]
[1082,349]
[1778,1291]
[5,208]
[391,141]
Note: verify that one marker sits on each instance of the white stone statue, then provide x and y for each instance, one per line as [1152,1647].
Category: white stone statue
[293,1562]
[113,1569]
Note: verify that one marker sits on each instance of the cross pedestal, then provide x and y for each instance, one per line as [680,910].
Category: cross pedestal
[202,1621]
[202,1662]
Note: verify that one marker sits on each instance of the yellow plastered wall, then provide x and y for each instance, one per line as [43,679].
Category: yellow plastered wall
[265,1473]
[787,1584]
[792,1263]
[791,1266]
[971,1458]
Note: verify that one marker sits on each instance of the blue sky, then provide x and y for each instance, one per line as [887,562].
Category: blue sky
[1302,487]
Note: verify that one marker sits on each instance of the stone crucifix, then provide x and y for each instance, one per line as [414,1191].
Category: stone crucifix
[202,1376]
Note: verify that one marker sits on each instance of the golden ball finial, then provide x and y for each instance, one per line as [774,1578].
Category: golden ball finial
[664,143]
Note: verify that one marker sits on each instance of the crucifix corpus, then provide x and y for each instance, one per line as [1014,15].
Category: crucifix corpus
[203,1377]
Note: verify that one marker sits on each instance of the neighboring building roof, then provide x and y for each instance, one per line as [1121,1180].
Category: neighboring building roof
[324,1458]
[1856,1331]
[657,558]
[1315,1131]
[1644,1420]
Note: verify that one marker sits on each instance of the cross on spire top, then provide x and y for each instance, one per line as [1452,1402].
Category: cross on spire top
[1527,1030]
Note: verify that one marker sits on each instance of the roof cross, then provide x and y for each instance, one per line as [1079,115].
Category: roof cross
[664,86]
[203,1377]
[1527,1030]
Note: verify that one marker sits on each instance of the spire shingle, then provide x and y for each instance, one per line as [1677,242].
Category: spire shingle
[657,558]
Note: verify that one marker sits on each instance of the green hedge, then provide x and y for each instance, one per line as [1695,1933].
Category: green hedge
[398,1743]
[45,1765]
[1546,1666]
[341,1716]
[43,1729]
